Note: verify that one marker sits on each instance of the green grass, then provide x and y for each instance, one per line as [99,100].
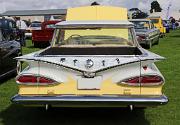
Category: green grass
[169,114]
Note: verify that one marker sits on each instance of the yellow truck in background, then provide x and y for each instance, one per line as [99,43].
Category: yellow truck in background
[158,23]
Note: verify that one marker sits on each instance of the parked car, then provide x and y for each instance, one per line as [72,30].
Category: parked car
[146,32]
[8,51]
[43,37]
[8,28]
[36,25]
[167,25]
[92,63]
[158,23]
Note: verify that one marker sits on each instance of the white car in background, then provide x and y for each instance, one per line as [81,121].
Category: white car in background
[36,25]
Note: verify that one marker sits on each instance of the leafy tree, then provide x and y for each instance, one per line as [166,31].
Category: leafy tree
[155,6]
[94,3]
[137,13]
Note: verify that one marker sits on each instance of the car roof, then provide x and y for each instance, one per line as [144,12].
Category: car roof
[140,20]
[51,22]
[36,22]
[91,24]
[154,17]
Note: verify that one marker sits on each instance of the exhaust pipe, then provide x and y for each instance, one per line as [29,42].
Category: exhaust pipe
[46,107]
[131,107]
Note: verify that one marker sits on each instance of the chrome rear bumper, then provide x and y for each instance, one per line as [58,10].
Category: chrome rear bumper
[91,101]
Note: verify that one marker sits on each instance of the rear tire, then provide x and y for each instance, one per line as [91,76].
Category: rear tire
[149,45]
[167,31]
[36,45]
[161,35]
[157,42]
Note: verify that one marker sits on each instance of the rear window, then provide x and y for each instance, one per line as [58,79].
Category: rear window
[141,24]
[50,26]
[36,25]
[94,37]
[155,20]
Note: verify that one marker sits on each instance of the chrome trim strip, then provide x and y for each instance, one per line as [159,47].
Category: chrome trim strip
[7,73]
[75,69]
[121,100]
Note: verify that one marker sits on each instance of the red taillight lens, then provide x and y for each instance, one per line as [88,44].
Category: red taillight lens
[151,79]
[142,37]
[46,80]
[34,80]
[144,80]
[27,79]
[132,80]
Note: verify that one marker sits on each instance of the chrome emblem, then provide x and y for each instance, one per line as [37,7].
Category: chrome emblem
[89,74]
[89,63]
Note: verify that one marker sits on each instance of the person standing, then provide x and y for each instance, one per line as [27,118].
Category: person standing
[21,25]
[173,21]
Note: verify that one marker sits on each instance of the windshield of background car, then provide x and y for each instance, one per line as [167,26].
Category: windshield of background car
[155,20]
[50,26]
[141,24]
[95,36]
[36,25]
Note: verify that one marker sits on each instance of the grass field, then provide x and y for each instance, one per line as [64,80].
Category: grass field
[169,114]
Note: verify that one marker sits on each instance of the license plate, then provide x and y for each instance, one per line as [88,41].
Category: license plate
[90,83]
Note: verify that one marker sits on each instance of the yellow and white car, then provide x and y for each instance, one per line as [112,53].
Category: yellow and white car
[91,63]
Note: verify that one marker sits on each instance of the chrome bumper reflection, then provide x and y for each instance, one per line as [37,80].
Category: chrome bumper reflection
[108,101]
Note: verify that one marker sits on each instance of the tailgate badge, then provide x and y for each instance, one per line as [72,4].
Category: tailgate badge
[89,63]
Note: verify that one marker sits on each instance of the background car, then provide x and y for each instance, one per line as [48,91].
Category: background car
[158,23]
[8,51]
[167,25]
[146,32]
[36,25]
[43,36]
[8,28]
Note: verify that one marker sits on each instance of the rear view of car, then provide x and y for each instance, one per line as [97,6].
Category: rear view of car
[92,62]
[146,32]
[36,25]
[158,23]
[42,37]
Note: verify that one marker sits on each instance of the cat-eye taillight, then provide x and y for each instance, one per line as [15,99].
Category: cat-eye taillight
[34,80]
[147,80]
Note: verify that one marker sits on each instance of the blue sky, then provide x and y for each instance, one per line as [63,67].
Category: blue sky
[54,4]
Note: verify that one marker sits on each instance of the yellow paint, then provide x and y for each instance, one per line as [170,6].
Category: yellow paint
[159,25]
[151,90]
[97,13]
[29,90]
[107,88]
[123,33]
